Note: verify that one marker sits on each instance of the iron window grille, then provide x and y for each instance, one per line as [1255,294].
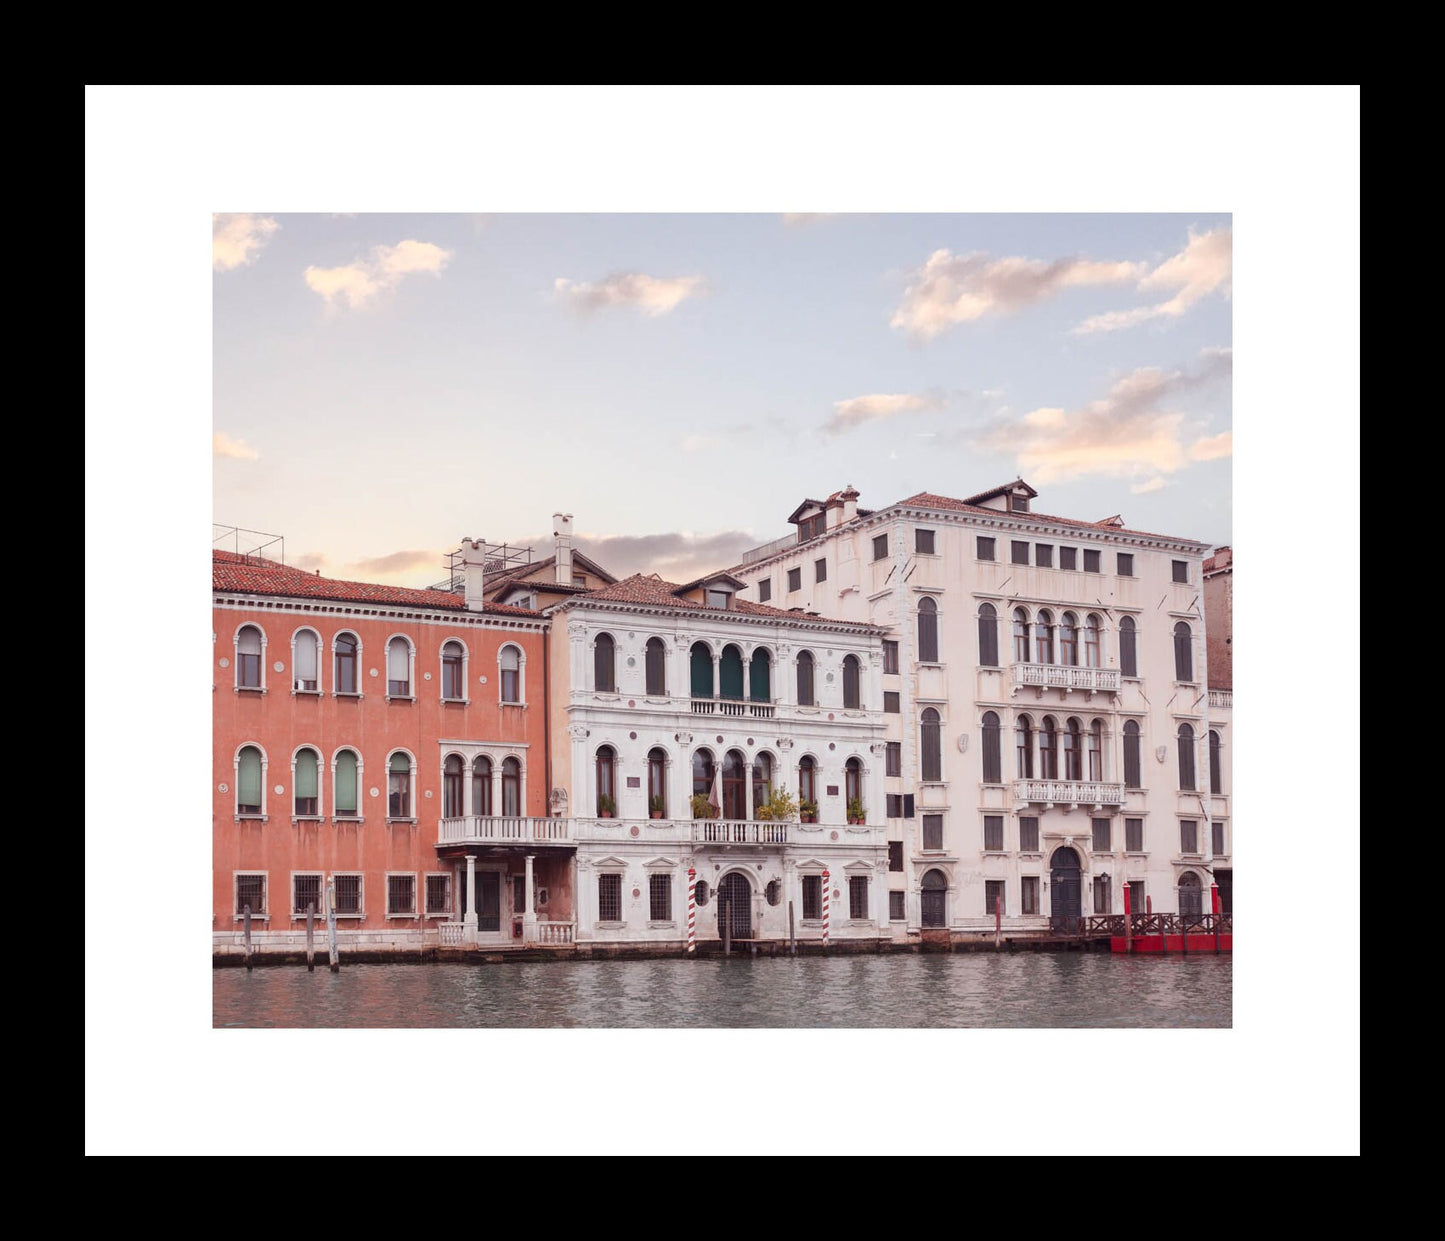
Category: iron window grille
[401,894]
[659,898]
[348,894]
[609,898]
[251,890]
[858,896]
[305,890]
[438,894]
[896,909]
[812,897]
[993,895]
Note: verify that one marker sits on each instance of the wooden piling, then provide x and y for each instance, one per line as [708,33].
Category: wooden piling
[997,923]
[792,941]
[310,936]
[246,932]
[331,926]
[725,912]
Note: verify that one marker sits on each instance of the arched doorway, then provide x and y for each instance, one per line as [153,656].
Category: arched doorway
[735,904]
[934,893]
[1065,895]
[1191,895]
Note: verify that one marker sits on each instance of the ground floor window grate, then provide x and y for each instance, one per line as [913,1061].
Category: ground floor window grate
[305,890]
[659,898]
[439,894]
[897,911]
[857,896]
[609,898]
[993,895]
[812,896]
[401,894]
[251,890]
[348,894]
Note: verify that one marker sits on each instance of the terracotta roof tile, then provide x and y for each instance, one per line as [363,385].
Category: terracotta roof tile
[651,589]
[927,499]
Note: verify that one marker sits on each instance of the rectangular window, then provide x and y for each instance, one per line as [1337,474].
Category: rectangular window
[1028,833]
[1068,557]
[890,702]
[893,759]
[993,897]
[438,895]
[890,655]
[896,910]
[519,894]
[933,833]
[718,599]
[1188,836]
[1019,504]
[1092,561]
[1101,894]
[765,590]
[348,895]
[880,546]
[907,805]
[1125,564]
[1102,835]
[1181,571]
[1019,552]
[305,890]
[993,832]
[857,896]
[659,898]
[1216,837]
[401,895]
[1044,555]
[1134,835]
[795,579]
[812,897]
[894,807]
[811,527]
[820,570]
[1030,894]
[609,898]
[895,855]
[984,547]
[923,542]
[251,890]
[1137,903]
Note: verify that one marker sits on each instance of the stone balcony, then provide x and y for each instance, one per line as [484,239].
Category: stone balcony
[488,829]
[1040,677]
[1069,794]
[729,832]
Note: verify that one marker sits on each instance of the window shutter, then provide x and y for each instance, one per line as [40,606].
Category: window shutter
[306,774]
[397,659]
[907,805]
[305,669]
[346,783]
[248,779]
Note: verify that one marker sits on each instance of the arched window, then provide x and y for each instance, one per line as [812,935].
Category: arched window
[762,780]
[805,679]
[604,664]
[306,795]
[734,786]
[700,661]
[853,780]
[482,785]
[510,663]
[1132,766]
[703,770]
[933,894]
[927,631]
[807,779]
[987,636]
[1183,652]
[452,776]
[1128,651]
[1216,771]
[656,668]
[606,773]
[305,662]
[992,749]
[852,698]
[398,786]
[931,731]
[1073,746]
[511,788]
[1021,636]
[346,649]
[1091,641]
[398,668]
[1186,758]
[657,780]
[250,781]
[454,681]
[1191,895]
[760,682]
[1069,640]
[248,658]
[730,673]
[1096,750]
[1044,637]
[1024,747]
[1049,749]
[347,779]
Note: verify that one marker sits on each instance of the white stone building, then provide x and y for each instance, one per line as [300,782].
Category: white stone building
[1050,731]
[664,692]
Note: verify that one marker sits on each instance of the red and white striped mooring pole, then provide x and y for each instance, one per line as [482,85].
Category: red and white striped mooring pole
[691,909]
[825,908]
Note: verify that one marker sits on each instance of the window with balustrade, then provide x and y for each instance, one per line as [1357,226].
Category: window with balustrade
[1024,746]
[453,773]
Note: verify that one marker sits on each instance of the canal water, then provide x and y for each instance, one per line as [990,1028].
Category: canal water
[1034,990]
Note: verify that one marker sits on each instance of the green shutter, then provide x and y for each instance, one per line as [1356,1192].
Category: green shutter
[248,780]
[346,783]
[400,762]
[306,774]
[731,674]
[758,678]
[701,672]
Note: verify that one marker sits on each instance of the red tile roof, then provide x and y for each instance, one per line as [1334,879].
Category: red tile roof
[252,575]
[927,499]
[651,589]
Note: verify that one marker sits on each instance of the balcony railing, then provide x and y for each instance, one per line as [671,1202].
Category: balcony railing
[771,548]
[550,933]
[452,934]
[1066,677]
[732,706]
[738,832]
[1222,698]
[493,829]
[1069,793]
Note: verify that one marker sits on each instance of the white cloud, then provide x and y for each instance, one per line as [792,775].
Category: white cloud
[1213,447]
[1157,483]
[394,564]
[958,288]
[222,445]
[650,294]
[699,443]
[364,279]
[237,238]
[854,412]
[1205,265]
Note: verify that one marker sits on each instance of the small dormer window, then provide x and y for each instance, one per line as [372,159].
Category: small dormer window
[579,579]
[1019,503]
[811,527]
[718,598]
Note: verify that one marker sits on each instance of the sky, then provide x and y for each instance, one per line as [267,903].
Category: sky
[387,384]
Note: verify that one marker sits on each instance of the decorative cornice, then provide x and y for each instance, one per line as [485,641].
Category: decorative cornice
[287,605]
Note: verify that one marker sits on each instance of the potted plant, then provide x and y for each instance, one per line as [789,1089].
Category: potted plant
[702,808]
[606,807]
[856,813]
[780,806]
[763,814]
[808,810]
[654,805]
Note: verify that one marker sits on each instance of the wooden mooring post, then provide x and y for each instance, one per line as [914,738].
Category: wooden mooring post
[331,926]
[310,936]
[725,912]
[792,941]
[997,923]
[246,932]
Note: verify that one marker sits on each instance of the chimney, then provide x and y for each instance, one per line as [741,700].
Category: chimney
[562,546]
[473,557]
[850,502]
